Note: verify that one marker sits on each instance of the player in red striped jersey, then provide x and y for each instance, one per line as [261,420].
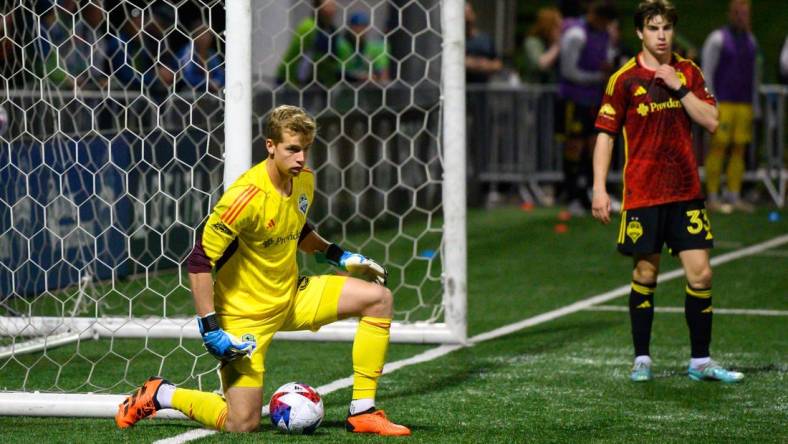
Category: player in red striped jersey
[249,243]
[653,101]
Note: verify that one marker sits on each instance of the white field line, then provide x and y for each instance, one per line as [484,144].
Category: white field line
[443,350]
[727,311]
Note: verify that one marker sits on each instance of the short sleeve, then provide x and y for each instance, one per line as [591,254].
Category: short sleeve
[697,85]
[611,113]
[228,218]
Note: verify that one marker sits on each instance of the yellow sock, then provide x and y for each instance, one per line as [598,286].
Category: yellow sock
[714,168]
[736,168]
[369,354]
[209,409]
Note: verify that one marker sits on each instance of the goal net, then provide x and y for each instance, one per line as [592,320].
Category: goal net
[120,124]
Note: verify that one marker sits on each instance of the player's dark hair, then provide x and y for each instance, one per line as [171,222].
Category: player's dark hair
[291,118]
[652,8]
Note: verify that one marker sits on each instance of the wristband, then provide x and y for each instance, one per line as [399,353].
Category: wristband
[681,92]
[334,253]
[208,323]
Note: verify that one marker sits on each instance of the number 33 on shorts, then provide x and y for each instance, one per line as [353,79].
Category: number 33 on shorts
[698,222]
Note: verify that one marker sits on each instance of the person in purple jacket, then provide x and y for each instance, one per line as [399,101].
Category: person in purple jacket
[729,60]
[583,69]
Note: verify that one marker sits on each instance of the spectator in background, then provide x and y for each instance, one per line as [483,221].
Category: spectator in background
[200,65]
[91,30]
[481,59]
[369,60]
[618,52]
[584,67]
[729,60]
[317,50]
[784,63]
[481,63]
[57,58]
[542,46]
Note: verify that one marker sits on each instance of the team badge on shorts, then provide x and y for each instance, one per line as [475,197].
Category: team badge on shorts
[303,203]
[248,337]
[634,230]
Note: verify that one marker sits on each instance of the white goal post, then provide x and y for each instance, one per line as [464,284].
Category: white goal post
[112,167]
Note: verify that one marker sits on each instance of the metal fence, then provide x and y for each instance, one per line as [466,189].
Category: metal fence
[512,138]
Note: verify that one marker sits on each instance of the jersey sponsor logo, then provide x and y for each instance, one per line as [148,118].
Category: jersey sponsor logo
[640,91]
[653,107]
[273,241]
[303,203]
[634,230]
[222,228]
[607,110]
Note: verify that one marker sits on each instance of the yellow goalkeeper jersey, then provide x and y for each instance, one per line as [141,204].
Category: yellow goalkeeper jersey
[251,239]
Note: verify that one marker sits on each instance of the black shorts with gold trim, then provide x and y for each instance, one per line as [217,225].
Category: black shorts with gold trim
[679,225]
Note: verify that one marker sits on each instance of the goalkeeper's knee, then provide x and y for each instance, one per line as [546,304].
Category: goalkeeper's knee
[380,304]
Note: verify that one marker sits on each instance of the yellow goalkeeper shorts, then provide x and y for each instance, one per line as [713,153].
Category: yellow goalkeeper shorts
[314,305]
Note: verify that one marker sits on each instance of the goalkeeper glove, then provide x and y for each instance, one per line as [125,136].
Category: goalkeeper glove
[220,344]
[356,263]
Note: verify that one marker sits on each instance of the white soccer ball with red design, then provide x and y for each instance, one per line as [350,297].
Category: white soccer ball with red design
[296,408]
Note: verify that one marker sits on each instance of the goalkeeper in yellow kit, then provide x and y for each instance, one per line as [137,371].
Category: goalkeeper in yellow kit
[246,287]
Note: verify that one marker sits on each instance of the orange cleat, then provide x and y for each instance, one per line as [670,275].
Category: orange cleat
[374,421]
[140,405]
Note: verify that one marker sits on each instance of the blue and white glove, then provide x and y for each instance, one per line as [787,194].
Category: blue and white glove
[357,264]
[219,343]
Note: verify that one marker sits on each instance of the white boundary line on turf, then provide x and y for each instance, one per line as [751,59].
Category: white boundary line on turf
[728,311]
[442,350]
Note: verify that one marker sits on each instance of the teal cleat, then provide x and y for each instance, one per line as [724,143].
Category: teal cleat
[714,372]
[641,372]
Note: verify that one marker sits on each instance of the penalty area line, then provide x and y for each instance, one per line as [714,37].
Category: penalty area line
[443,350]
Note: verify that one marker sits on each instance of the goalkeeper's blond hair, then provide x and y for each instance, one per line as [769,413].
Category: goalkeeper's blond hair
[289,117]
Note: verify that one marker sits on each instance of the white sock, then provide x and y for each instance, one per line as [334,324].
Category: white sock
[164,395]
[699,362]
[361,405]
[645,359]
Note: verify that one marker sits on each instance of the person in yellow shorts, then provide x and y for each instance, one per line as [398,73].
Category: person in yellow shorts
[246,286]
[730,56]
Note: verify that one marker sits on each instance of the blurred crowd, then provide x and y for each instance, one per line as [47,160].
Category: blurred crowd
[154,49]
[86,45]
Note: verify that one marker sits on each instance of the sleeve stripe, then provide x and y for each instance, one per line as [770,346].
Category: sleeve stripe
[240,207]
[235,203]
[612,82]
[238,204]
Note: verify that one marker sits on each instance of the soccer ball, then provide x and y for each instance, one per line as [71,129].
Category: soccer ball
[296,408]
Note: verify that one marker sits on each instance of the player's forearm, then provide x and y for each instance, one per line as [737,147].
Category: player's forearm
[202,292]
[603,153]
[702,113]
[313,243]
